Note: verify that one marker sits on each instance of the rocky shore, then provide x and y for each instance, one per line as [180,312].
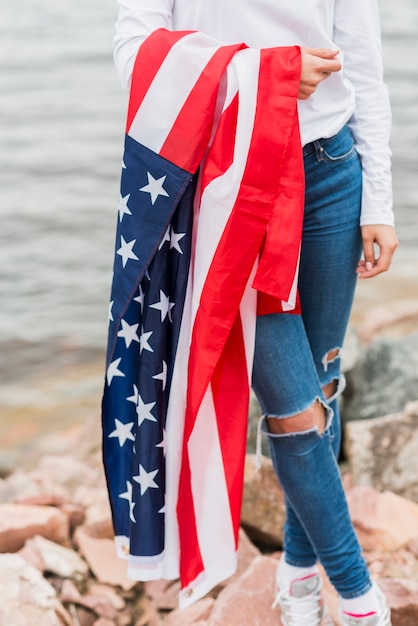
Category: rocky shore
[58,565]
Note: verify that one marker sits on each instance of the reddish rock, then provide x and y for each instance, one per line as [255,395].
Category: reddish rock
[402,596]
[70,470]
[163,593]
[98,518]
[97,589]
[31,554]
[75,513]
[84,617]
[198,612]
[263,510]
[144,612]
[413,546]
[34,487]
[247,601]
[383,521]
[26,597]
[57,559]
[247,552]
[102,621]
[69,592]
[101,556]
[19,522]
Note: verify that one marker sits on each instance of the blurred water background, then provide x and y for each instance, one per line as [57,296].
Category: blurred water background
[61,131]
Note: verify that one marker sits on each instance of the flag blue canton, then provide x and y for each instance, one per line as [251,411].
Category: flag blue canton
[152,256]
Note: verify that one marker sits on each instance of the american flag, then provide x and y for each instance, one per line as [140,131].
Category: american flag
[209,226]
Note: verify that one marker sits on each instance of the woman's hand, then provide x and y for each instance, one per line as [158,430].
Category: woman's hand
[385,239]
[317,65]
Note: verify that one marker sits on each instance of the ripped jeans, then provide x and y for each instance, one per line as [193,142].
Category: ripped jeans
[296,356]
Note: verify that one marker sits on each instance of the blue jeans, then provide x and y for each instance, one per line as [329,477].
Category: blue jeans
[296,356]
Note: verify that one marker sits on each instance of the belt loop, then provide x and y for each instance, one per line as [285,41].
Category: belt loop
[319,150]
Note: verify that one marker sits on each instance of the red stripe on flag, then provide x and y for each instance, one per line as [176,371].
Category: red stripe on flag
[232,265]
[231,398]
[221,152]
[150,57]
[197,113]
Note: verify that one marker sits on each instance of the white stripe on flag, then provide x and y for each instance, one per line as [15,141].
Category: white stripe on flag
[220,195]
[151,126]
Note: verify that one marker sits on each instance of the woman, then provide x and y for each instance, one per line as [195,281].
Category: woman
[344,122]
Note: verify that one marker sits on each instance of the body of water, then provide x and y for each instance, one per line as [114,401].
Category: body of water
[62,116]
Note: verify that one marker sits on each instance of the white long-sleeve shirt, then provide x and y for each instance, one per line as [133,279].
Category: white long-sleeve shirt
[356,95]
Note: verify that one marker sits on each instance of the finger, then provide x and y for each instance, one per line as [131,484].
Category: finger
[368,253]
[329,65]
[323,53]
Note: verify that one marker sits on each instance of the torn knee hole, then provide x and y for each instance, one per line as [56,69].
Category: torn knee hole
[331,356]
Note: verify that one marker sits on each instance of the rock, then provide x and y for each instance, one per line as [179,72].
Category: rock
[70,470]
[19,522]
[26,597]
[33,488]
[384,379]
[75,513]
[98,518]
[402,596]
[145,613]
[84,616]
[57,559]
[351,350]
[31,554]
[263,508]
[383,521]
[69,592]
[102,559]
[401,315]
[200,610]
[247,601]
[382,452]
[163,593]
[247,552]
[413,547]
[97,589]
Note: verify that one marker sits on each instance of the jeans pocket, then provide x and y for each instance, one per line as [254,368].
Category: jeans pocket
[338,148]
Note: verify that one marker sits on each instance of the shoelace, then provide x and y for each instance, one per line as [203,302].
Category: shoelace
[301,609]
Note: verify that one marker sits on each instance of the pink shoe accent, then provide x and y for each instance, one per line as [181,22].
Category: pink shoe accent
[360,615]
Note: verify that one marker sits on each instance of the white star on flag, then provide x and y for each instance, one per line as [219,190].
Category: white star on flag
[162,375]
[110,311]
[134,398]
[113,370]
[144,411]
[155,187]
[165,238]
[123,432]
[123,207]
[164,306]
[162,510]
[174,241]
[162,443]
[126,252]
[128,333]
[140,298]
[128,496]
[143,341]
[146,479]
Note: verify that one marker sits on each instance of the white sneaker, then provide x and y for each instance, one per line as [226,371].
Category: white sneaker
[302,604]
[382,618]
